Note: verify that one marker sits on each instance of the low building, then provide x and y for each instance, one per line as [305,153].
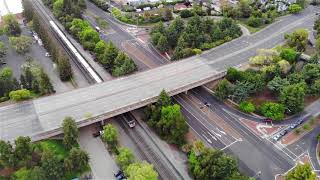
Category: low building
[180,7]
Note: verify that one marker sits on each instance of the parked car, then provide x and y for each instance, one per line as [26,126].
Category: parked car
[284,132]
[294,125]
[267,120]
[277,137]
[300,121]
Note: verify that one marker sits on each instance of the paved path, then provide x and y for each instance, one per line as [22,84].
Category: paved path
[102,164]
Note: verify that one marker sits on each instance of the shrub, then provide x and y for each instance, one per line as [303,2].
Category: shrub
[247,107]
[19,95]
[186,13]
[297,131]
[255,21]
[306,127]
[294,8]
[289,54]
[272,110]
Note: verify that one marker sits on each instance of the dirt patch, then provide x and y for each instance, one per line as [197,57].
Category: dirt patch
[309,100]
[310,50]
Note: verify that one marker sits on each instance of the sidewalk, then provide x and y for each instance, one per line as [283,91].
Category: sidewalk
[102,164]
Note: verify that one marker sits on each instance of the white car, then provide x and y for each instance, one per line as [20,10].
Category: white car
[276,137]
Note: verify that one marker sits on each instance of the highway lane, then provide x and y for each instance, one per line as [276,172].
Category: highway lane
[274,160]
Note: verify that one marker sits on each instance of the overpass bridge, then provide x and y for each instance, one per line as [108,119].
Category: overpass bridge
[42,118]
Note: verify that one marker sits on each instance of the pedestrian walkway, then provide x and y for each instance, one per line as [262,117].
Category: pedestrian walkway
[313,109]
[102,164]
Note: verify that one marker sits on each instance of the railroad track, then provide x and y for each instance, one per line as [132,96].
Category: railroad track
[43,15]
[147,152]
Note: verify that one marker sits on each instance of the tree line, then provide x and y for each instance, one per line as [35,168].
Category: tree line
[68,12]
[44,160]
[198,34]
[279,73]
[109,56]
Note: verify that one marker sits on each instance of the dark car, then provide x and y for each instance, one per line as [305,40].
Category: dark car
[267,120]
[300,121]
[98,133]
[119,175]
[284,132]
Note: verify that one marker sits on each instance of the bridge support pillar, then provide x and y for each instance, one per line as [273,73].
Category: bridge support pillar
[102,123]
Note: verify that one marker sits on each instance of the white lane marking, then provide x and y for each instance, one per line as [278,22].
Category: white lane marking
[209,141]
[212,136]
[219,135]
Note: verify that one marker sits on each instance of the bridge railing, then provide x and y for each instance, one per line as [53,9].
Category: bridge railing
[130,107]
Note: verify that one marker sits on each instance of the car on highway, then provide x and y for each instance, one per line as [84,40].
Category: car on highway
[131,122]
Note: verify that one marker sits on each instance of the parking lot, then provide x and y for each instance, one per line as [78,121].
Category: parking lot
[38,54]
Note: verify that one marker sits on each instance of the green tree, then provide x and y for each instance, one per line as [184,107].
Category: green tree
[292,97]
[223,89]
[272,110]
[255,21]
[109,55]
[311,72]
[174,31]
[244,7]
[213,164]
[36,173]
[7,157]
[289,54]
[110,134]
[64,68]
[3,51]
[21,44]
[77,160]
[294,8]
[277,84]
[301,172]
[11,25]
[19,95]
[124,158]
[70,132]
[58,8]
[100,48]
[172,125]
[241,91]
[162,44]
[51,166]
[23,149]
[315,87]
[298,39]
[295,78]
[164,99]
[247,107]
[233,75]
[45,84]
[123,65]
[141,171]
